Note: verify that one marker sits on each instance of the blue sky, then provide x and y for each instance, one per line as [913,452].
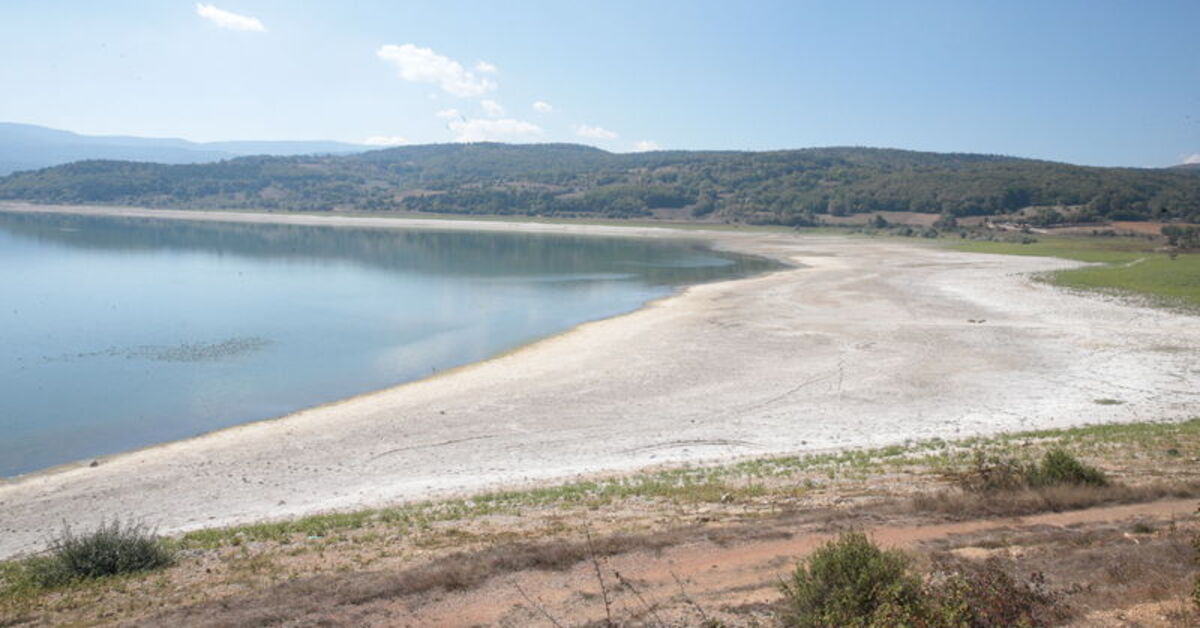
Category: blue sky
[1095,82]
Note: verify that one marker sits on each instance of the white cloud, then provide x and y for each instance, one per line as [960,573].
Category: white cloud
[1194,158]
[645,145]
[448,114]
[384,140]
[542,106]
[423,65]
[484,129]
[226,19]
[485,67]
[492,108]
[594,132]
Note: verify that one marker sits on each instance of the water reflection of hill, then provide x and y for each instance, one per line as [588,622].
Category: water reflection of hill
[455,253]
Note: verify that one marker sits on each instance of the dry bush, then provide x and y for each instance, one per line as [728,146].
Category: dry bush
[966,593]
[1057,467]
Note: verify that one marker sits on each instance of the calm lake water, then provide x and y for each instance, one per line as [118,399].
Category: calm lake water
[120,333]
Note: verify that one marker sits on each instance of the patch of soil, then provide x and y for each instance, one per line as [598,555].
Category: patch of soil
[731,573]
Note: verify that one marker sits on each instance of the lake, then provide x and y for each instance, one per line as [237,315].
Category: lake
[121,333]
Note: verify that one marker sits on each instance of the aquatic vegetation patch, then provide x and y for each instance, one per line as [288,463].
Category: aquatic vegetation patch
[229,348]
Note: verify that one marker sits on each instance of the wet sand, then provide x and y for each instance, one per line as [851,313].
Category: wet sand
[866,342]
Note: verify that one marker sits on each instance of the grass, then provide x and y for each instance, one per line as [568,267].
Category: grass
[1125,265]
[960,505]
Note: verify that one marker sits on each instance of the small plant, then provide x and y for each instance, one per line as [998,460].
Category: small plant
[113,548]
[851,582]
[1142,527]
[993,473]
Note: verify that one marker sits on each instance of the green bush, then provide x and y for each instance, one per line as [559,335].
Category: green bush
[1059,467]
[851,582]
[113,548]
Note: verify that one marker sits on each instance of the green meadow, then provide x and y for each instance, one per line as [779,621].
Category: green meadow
[1129,266]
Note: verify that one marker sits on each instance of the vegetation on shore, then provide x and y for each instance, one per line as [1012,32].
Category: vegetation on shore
[793,187]
[1120,265]
[1141,461]
[852,582]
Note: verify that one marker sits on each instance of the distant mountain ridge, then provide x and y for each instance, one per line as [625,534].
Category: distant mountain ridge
[29,147]
[788,187]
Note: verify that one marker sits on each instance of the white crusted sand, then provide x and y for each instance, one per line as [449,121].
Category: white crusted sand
[869,343]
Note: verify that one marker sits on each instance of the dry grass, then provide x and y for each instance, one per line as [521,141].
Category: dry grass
[310,597]
[1098,569]
[960,504]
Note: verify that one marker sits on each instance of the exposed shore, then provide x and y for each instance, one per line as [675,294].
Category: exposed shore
[868,342]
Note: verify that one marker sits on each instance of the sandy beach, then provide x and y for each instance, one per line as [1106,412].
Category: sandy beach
[865,342]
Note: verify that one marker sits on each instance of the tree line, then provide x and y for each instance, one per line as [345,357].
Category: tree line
[792,187]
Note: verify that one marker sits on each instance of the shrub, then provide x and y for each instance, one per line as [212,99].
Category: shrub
[993,473]
[113,548]
[1059,467]
[851,582]
[982,595]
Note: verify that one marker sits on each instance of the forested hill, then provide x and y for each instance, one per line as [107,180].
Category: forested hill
[782,187]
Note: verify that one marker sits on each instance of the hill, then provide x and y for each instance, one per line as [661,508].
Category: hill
[792,187]
[28,147]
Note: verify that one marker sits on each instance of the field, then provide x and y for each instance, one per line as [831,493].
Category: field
[1122,265]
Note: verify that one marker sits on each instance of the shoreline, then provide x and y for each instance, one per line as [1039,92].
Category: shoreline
[869,344]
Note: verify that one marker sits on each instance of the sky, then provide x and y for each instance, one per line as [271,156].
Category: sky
[1089,82]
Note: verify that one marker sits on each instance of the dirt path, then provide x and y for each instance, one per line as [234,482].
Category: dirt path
[681,584]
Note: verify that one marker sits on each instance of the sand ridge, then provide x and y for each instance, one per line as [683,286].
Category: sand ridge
[866,342]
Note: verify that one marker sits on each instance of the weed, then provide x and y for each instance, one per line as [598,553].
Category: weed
[1142,527]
